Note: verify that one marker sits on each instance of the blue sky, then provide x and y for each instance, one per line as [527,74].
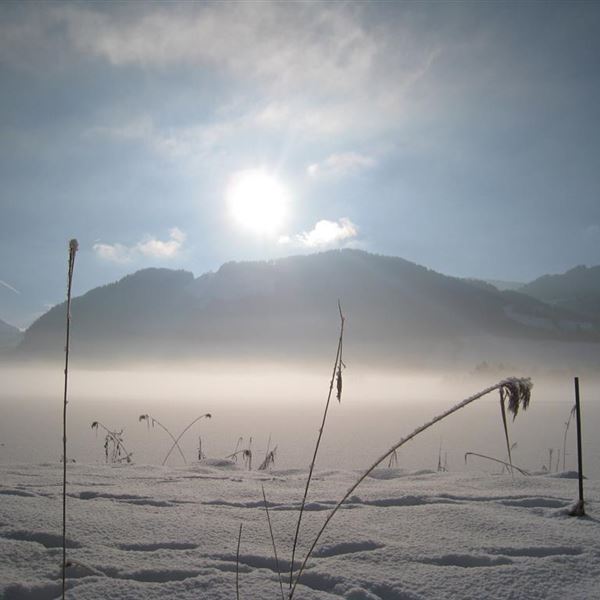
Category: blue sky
[461,136]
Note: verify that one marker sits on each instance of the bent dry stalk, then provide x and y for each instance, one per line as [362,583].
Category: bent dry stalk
[176,442]
[115,437]
[335,376]
[73,247]
[150,420]
[518,392]
[502,462]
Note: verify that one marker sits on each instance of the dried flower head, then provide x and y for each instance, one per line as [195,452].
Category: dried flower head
[518,393]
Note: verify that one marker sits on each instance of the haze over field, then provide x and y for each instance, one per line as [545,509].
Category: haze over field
[231,191]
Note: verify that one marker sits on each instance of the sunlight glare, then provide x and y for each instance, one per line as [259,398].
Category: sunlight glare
[257,201]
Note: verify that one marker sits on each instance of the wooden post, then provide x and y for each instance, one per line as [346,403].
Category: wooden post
[579,509]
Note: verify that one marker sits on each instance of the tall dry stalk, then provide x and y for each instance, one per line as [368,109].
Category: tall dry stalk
[176,442]
[273,542]
[73,246]
[336,376]
[518,392]
[237,565]
[150,420]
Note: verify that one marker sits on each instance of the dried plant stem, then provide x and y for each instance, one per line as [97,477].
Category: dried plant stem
[518,389]
[116,439]
[567,424]
[154,421]
[502,462]
[336,370]
[273,542]
[237,565]
[505,425]
[73,246]
[176,442]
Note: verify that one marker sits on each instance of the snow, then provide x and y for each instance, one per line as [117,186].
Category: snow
[148,532]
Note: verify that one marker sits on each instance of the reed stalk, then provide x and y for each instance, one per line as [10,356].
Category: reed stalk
[237,565]
[73,246]
[336,375]
[273,542]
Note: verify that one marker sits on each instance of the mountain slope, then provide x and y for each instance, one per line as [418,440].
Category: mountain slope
[288,307]
[578,290]
[10,336]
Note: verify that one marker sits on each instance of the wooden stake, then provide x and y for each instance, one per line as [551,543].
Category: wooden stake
[579,509]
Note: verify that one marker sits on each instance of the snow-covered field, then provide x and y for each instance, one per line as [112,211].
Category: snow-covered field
[151,532]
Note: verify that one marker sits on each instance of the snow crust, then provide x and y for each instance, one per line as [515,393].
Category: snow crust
[149,532]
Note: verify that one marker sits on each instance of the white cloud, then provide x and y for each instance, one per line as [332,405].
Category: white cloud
[338,165]
[149,247]
[327,233]
[313,66]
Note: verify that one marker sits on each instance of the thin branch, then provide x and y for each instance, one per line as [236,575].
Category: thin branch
[336,365]
[73,246]
[519,394]
[571,415]
[522,471]
[273,542]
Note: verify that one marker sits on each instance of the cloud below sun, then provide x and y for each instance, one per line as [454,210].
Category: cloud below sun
[325,234]
[148,247]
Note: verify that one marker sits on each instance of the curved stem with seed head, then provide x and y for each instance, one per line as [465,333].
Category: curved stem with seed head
[207,415]
[116,439]
[150,419]
[518,391]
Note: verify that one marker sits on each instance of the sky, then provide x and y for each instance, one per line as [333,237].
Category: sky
[463,136]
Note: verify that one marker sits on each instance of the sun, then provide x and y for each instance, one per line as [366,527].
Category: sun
[257,201]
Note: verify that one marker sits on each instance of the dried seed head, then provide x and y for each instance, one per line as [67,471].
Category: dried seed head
[143,418]
[73,245]
[518,392]
[95,425]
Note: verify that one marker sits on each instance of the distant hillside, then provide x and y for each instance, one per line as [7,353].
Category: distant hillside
[506,285]
[577,290]
[10,336]
[287,308]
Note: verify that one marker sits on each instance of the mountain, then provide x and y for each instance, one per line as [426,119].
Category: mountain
[10,336]
[287,308]
[577,290]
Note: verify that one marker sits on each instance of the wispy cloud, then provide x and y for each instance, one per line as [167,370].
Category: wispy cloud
[339,165]
[324,234]
[10,287]
[149,247]
[318,68]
